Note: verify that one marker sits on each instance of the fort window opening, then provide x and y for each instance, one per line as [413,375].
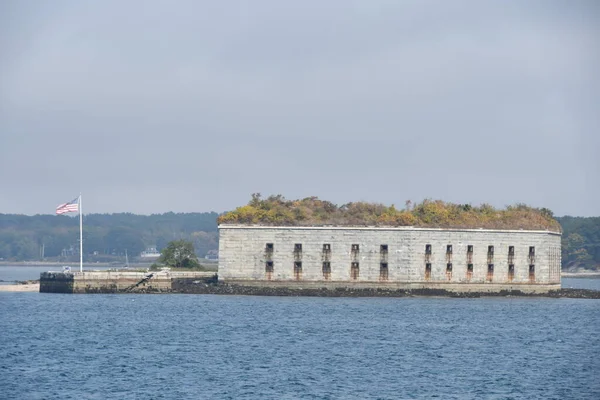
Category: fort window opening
[427,249]
[269,251]
[490,272]
[326,247]
[427,271]
[531,254]
[269,267]
[298,270]
[469,254]
[490,249]
[449,271]
[511,250]
[383,248]
[354,271]
[298,251]
[490,254]
[269,270]
[469,271]
[532,273]
[511,272]
[449,253]
[327,270]
[383,271]
[354,251]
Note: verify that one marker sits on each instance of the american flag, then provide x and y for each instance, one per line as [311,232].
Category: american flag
[72,206]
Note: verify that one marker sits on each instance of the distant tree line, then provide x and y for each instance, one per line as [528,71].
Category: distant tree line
[105,236]
[580,242]
[108,236]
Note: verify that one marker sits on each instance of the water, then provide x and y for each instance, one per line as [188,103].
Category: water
[55,346]
[592,283]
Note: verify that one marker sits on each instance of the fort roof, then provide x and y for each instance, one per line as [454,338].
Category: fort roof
[311,211]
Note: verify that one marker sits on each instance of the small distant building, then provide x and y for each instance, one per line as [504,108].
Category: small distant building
[212,255]
[150,254]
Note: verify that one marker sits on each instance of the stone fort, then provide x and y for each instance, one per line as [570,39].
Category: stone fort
[458,260]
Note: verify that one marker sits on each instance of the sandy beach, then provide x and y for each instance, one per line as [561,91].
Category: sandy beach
[30,287]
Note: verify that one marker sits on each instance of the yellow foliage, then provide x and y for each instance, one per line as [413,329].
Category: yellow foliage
[276,210]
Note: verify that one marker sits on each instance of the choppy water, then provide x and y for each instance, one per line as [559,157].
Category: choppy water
[55,346]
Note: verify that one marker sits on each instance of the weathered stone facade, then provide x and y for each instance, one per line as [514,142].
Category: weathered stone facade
[480,260]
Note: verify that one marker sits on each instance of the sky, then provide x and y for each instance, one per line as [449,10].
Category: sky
[190,106]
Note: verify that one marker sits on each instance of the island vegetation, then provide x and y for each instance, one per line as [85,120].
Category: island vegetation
[276,210]
[107,237]
[179,255]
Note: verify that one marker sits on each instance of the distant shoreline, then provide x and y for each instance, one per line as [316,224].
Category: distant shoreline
[580,274]
[119,265]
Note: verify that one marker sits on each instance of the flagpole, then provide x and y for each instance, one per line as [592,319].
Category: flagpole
[80,237]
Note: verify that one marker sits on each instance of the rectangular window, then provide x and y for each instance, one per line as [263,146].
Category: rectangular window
[383,248]
[383,271]
[449,249]
[490,254]
[269,247]
[326,247]
[469,271]
[327,270]
[354,251]
[298,270]
[531,254]
[470,254]
[470,249]
[449,271]
[427,271]
[532,273]
[354,271]
[427,249]
[269,270]
[511,254]
[511,272]
[298,251]
[490,272]
[269,267]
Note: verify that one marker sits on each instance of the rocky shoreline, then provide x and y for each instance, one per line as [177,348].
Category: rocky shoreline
[190,286]
[211,286]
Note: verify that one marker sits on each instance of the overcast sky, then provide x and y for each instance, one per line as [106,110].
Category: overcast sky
[154,106]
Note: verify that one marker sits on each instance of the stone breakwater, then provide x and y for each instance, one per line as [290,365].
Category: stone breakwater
[115,281]
[208,283]
[211,286]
